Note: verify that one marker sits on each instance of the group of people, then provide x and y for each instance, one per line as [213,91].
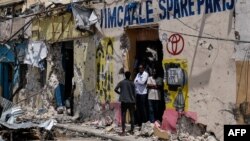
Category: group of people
[141,97]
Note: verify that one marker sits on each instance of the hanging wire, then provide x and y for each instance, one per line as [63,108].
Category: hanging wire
[26,26]
[186,34]
[197,36]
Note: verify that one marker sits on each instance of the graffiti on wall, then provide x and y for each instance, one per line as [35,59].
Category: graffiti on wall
[133,13]
[125,44]
[104,68]
[175,44]
[175,82]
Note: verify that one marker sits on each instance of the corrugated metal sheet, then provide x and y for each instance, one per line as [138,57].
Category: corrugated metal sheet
[6,55]
[9,2]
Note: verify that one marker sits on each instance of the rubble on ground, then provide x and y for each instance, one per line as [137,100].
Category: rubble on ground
[18,123]
[158,132]
[187,130]
[187,125]
[147,129]
[34,120]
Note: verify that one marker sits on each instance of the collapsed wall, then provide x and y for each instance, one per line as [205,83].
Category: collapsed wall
[40,84]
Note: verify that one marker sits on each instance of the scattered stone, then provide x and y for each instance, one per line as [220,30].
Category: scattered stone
[199,138]
[109,128]
[42,111]
[147,129]
[191,138]
[183,136]
[94,122]
[187,125]
[161,134]
[108,121]
[137,133]
[206,135]
[211,138]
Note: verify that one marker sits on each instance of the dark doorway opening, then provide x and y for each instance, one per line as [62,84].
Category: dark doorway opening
[6,76]
[68,65]
[150,54]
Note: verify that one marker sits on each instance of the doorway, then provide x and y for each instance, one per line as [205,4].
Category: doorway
[68,66]
[146,48]
[150,54]
[6,76]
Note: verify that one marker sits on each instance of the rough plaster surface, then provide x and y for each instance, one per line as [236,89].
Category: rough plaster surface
[242,28]
[211,68]
[33,95]
[31,88]
[39,96]
[84,77]
[212,75]
[55,73]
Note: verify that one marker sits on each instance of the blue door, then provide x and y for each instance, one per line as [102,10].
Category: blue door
[5,80]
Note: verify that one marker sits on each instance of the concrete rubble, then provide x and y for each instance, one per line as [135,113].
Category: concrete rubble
[147,129]
[14,127]
[148,132]
[103,127]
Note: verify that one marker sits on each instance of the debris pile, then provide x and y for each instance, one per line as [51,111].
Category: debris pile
[147,129]
[14,125]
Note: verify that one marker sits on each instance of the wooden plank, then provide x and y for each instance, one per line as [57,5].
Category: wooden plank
[243,84]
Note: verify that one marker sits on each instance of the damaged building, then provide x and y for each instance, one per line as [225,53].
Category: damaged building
[67,56]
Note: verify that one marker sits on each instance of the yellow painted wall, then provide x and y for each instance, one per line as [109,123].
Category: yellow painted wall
[55,28]
[29,3]
[173,94]
[105,70]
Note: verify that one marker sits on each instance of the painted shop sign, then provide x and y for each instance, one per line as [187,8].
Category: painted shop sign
[134,13]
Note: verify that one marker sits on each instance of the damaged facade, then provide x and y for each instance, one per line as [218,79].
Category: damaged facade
[60,54]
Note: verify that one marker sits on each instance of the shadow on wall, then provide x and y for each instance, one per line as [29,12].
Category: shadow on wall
[230,22]
[202,25]
[201,79]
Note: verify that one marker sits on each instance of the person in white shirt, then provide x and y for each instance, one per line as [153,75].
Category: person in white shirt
[154,85]
[141,95]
